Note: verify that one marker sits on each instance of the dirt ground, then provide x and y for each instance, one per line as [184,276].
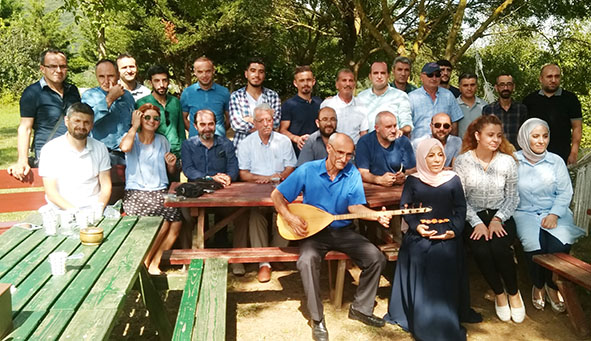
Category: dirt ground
[276,311]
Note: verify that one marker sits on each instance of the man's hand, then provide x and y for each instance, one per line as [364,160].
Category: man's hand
[115,91]
[550,221]
[385,218]
[449,234]
[480,231]
[301,140]
[387,179]
[297,224]
[400,178]
[19,170]
[222,179]
[572,158]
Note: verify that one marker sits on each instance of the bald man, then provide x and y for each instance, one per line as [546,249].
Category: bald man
[441,130]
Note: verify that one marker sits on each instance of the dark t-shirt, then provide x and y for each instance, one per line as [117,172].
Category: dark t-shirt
[369,154]
[46,106]
[454,91]
[558,110]
[301,114]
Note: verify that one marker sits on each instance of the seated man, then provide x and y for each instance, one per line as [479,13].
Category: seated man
[264,156]
[333,184]
[441,130]
[76,168]
[315,147]
[382,157]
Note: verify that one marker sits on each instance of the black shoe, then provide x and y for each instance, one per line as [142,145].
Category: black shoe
[319,331]
[472,317]
[370,320]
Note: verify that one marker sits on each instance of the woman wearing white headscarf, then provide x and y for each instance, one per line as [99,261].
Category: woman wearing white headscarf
[543,218]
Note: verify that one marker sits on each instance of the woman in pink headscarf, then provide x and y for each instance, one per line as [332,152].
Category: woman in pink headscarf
[426,292]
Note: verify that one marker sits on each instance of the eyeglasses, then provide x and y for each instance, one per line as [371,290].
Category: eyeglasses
[155,118]
[55,67]
[445,125]
[436,74]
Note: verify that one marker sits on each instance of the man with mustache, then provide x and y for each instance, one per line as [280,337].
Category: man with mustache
[315,147]
[441,130]
[75,167]
[299,112]
[511,113]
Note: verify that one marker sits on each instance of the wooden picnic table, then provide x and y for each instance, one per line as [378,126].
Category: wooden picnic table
[83,303]
[242,195]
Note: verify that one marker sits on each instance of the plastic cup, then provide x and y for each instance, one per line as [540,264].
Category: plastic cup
[97,211]
[82,218]
[57,260]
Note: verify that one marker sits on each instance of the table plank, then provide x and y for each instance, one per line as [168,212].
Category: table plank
[210,322]
[12,238]
[17,254]
[186,318]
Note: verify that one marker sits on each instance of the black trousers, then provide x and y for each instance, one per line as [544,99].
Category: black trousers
[495,256]
[548,244]
[366,255]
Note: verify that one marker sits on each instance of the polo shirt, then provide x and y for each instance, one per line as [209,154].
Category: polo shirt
[424,108]
[76,173]
[45,106]
[371,155]
[512,119]
[334,196]
[140,91]
[172,124]
[314,149]
[393,100]
[408,88]
[199,161]
[301,114]
[266,159]
[470,113]
[216,99]
[558,110]
[110,123]
[351,120]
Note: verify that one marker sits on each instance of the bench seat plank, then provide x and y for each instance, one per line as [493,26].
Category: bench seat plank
[210,322]
[565,269]
[186,317]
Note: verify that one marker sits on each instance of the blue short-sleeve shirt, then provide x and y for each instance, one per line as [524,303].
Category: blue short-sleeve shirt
[334,196]
[369,154]
[216,99]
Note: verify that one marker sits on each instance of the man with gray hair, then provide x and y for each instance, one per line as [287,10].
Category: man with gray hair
[75,167]
[264,156]
[401,70]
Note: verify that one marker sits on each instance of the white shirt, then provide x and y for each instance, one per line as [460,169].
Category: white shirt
[351,120]
[393,100]
[266,159]
[139,91]
[77,173]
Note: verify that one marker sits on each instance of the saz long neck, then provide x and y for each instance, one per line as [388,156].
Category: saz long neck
[378,213]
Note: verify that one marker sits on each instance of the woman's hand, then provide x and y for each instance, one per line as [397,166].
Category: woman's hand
[170,159]
[550,221]
[424,231]
[136,119]
[449,234]
[480,230]
[495,227]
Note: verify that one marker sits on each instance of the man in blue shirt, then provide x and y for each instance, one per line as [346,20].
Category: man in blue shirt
[42,108]
[382,157]
[334,185]
[205,94]
[112,106]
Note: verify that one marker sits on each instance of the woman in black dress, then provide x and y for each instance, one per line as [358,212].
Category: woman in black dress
[426,288]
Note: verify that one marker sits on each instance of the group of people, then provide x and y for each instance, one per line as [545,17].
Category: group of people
[449,149]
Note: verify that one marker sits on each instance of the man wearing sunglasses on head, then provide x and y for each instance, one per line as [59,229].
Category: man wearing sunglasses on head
[429,100]
[441,130]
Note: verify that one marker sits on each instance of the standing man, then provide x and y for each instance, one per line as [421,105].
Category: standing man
[351,119]
[172,125]
[470,104]
[76,168]
[446,69]
[127,68]
[315,147]
[244,100]
[429,100]
[112,106]
[205,94]
[381,96]
[320,180]
[42,107]
[441,130]
[401,71]
[298,113]
[264,156]
[511,113]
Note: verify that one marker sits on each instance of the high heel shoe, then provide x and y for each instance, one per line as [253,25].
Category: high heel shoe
[518,314]
[559,306]
[504,312]
[538,303]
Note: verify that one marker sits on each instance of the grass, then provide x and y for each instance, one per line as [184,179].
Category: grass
[9,119]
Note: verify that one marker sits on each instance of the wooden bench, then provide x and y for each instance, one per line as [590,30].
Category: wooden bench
[568,271]
[202,312]
[277,254]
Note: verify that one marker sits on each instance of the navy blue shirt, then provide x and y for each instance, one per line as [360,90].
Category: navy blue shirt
[334,196]
[46,106]
[369,154]
[198,161]
[301,114]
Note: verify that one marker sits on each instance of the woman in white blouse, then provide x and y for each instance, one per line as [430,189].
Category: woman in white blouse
[489,176]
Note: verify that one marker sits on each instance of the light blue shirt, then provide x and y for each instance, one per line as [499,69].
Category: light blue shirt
[544,188]
[216,99]
[146,168]
[110,123]
[393,100]
[452,147]
[423,109]
[470,113]
[266,159]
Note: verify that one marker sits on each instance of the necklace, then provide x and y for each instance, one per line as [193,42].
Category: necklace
[483,163]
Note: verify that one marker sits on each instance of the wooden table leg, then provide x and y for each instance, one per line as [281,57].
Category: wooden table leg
[199,237]
[573,307]
[154,304]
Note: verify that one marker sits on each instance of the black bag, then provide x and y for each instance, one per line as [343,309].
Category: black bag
[196,188]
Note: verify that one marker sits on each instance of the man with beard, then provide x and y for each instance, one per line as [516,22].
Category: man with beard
[383,157]
[127,68]
[561,109]
[244,100]
[315,147]
[446,69]
[351,119]
[75,167]
[441,130]
[205,94]
[511,113]
[299,112]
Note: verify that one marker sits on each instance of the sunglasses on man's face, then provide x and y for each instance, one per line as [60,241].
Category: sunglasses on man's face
[436,74]
[445,125]
[155,118]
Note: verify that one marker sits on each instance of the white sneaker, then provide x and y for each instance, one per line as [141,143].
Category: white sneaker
[504,312]
[518,314]
[237,269]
